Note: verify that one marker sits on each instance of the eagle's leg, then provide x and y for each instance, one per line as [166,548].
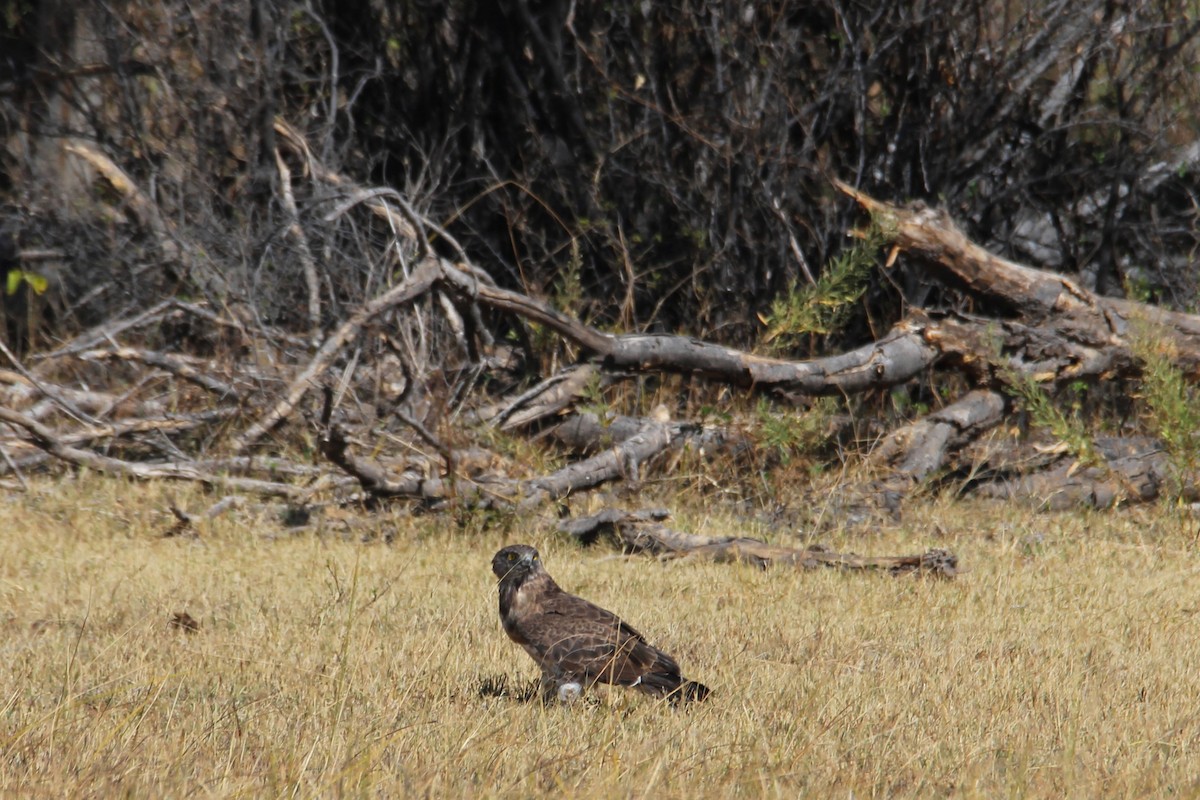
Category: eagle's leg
[559,688]
[548,688]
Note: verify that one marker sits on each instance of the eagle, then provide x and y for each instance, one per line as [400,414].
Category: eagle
[575,643]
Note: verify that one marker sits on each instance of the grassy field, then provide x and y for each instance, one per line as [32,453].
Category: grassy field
[1066,662]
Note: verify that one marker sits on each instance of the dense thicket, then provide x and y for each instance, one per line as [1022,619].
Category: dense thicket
[647,165]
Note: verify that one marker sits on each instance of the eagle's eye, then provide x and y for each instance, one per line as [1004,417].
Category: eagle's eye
[512,556]
[535,557]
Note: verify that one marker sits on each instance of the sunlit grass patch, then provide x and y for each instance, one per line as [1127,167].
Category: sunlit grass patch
[1063,662]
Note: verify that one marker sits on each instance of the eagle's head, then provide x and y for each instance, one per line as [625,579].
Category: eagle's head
[515,563]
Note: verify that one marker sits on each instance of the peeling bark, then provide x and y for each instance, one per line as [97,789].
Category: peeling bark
[917,450]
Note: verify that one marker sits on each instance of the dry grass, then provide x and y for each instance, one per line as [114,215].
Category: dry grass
[1065,663]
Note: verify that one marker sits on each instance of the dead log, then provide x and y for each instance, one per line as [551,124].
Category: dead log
[375,479]
[587,432]
[1058,331]
[547,399]
[1133,470]
[1041,299]
[1053,330]
[918,449]
[643,532]
[624,460]
[898,356]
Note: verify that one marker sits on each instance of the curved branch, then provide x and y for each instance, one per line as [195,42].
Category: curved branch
[902,354]
[406,292]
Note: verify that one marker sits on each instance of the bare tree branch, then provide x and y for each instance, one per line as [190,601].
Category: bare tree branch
[407,291]
[47,440]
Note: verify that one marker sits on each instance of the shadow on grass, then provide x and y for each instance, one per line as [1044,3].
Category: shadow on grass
[501,686]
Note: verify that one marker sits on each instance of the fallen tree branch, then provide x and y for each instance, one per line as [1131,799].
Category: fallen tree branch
[375,479]
[623,460]
[1044,299]
[547,399]
[175,365]
[918,449]
[1134,470]
[403,293]
[643,532]
[900,355]
[47,390]
[47,440]
[174,423]
[109,329]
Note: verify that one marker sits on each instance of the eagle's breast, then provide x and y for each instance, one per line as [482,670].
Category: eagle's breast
[518,605]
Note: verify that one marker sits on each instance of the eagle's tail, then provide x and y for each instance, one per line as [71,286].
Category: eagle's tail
[673,686]
[691,690]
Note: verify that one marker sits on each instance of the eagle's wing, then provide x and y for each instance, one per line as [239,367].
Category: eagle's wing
[581,640]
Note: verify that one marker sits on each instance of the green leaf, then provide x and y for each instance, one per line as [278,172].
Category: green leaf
[38,283]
